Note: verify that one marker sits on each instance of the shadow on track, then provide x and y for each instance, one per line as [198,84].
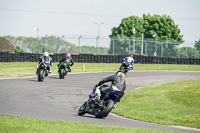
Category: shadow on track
[36,80]
[89,116]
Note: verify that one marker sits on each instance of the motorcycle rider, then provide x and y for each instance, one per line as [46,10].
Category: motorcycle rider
[45,59]
[128,61]
[68,61]
[117,83]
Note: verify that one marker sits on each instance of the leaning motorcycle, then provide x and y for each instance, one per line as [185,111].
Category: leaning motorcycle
[104,106]
[63,70]
[43,71]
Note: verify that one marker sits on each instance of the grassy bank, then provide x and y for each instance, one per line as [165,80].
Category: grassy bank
[20,69]
[14,124]
[175,103]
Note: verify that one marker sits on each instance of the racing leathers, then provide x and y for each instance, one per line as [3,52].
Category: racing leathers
[47,60]
[117,83]
[68,61]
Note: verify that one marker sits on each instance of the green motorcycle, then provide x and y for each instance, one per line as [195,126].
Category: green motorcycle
[62,70]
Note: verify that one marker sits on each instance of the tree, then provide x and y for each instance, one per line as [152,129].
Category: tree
[5,45]
[18,50]
[121,35]
[51,44]
[197,45]
[163,26]
[59,45]
[188,52]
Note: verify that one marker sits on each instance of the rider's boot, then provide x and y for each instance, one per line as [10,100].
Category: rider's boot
[49,69]
[37,71]
[114,106]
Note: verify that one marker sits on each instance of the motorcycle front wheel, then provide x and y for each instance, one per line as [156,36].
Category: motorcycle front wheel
[81,110]
[40,75]
[105,111]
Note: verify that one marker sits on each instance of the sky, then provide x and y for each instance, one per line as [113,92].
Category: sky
[78,17]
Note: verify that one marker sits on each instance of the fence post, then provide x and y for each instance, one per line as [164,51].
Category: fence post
[79,40]
[133,45]
[145,48]
[162,50]
[113,46]
[129,46]
[96,45]
[142,44]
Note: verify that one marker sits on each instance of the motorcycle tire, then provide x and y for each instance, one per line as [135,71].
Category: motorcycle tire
[62,74]
[59,74]
[81,110]
[40,76]
[106,110]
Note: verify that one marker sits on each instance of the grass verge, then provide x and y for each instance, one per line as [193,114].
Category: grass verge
[174,103]
[21,69]
[14,124]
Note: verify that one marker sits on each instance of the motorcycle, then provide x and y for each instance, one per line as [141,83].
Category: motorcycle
[43,71]
[62,70]
[104,106]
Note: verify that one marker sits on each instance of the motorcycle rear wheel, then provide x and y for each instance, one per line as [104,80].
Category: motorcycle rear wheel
[61,74]
[104,112]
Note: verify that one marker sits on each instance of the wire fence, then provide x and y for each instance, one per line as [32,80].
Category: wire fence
[125,45]
[107,45]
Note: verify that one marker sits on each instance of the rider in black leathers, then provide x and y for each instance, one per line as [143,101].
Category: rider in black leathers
[68,61]
[47,60]
[117,83]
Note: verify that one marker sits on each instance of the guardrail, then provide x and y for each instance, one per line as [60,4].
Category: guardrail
[95,58]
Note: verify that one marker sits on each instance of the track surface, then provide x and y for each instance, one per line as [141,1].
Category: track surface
[59,99]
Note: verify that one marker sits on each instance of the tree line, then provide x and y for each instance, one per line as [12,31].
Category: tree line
[52,44]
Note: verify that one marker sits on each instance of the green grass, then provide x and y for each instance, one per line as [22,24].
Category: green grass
[174,103]
[14,124]
[170,67]
[21,69]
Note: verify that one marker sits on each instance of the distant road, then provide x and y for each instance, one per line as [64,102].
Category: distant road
[59,99]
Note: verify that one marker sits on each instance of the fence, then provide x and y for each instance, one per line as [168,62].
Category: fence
[108,45]
[93,58]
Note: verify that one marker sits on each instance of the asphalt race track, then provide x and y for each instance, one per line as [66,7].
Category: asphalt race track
[59,99]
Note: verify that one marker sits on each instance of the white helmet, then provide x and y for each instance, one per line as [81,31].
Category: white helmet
[120,73]
[46,54]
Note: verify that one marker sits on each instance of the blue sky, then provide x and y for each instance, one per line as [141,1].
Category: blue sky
[77,17]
